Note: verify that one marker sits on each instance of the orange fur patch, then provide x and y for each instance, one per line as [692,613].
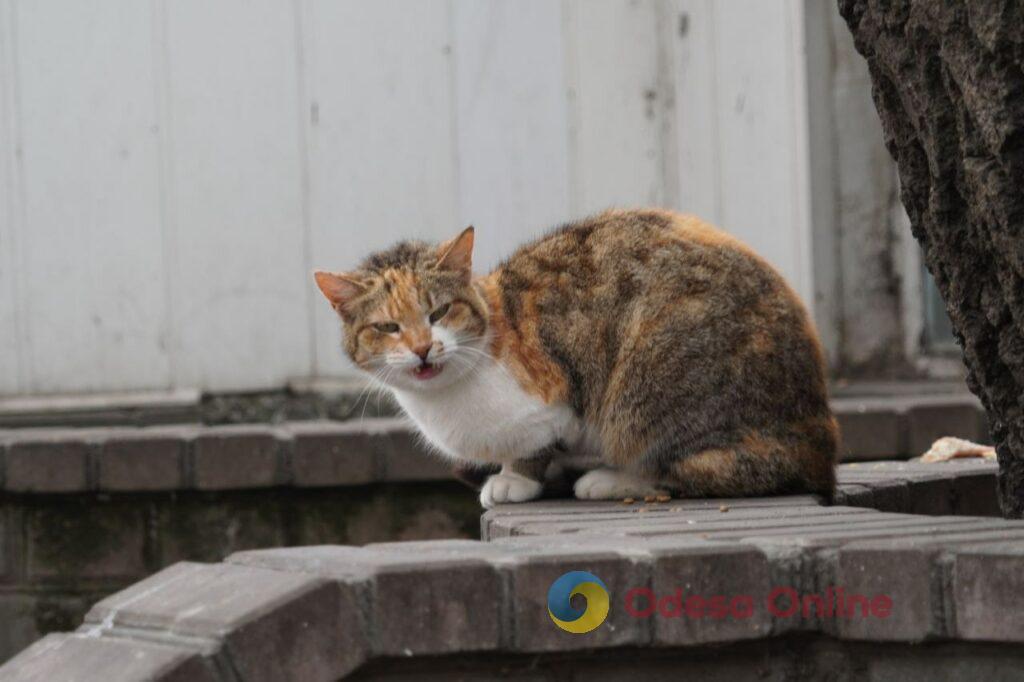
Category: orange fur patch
[520,350]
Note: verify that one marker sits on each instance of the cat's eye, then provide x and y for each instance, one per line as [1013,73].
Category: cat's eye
[440,312]
[386,327]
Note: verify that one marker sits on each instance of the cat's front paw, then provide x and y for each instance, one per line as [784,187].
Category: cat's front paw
[509,487]
[609,484]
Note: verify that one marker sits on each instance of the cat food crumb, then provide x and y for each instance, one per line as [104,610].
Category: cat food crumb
[663,498]
[723,509]
[628,500]
[648,498]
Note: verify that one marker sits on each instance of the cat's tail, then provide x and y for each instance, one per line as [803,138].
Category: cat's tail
[799,459]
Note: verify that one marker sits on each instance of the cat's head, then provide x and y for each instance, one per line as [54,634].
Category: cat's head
[411,315]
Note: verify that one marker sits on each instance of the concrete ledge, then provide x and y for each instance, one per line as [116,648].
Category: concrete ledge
[322,612]
[167,458]
[382,449]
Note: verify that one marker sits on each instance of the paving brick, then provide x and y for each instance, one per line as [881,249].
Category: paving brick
[988,592]
[932,496]
[4,439]
[911,578]
[27,616]
[143,460]
[329,453]
[533,569]
[890,495]
[53,463]
[12,542]
[907,526]
[408,460]
[722,590]
[932,489]
[335,561]
[705,522]
[931,420]
[974,494]
[74,539]
[232,457]
[423,602]
[954,662]
[190,529]
[273,625]
[854,495]
[95,659]
[538,517]
[437,609]
[870,430]
[589,509]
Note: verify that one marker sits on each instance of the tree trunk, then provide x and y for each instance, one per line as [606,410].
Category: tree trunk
[948,85]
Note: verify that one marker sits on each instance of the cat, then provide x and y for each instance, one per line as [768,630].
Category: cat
[659,343]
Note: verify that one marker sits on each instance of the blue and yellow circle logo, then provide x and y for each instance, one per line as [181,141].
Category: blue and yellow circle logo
[560,607]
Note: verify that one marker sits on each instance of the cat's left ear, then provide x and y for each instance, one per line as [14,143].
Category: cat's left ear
[457,254]
[340,289]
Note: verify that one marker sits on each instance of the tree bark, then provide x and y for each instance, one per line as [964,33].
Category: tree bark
[948,85]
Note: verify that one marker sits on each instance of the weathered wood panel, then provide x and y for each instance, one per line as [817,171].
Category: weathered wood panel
[187,164]
[760,107]
[382,160]
[234,194]
[89,261]
[511,121]
[617,104]
[10,209]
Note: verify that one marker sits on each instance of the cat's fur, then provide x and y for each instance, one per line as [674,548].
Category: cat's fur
[650,338]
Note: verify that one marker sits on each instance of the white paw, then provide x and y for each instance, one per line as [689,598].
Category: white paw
[609,484]
[509,487]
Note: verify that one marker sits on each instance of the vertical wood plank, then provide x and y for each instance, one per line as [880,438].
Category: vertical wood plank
[820,59]
[617,104]
[10,208]
[234,194]
[382,155]
[512,113]
[762,144]
[90,242]
[692,50]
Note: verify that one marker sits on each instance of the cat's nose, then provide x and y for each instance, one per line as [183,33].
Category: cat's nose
[422,351]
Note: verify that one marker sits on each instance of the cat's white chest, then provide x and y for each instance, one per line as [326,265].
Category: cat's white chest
[488,417]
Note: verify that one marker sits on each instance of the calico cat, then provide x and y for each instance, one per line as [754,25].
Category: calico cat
[652,339]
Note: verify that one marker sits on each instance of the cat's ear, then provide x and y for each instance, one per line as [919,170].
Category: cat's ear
[339,288]
[457,254]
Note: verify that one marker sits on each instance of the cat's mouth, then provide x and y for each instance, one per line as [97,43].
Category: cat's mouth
[426,371]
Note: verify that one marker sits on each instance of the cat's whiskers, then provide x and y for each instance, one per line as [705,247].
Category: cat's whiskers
[376,383]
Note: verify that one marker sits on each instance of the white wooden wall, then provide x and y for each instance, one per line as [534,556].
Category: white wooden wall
[172,171]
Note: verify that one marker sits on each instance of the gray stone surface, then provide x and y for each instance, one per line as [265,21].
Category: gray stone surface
[322,612]
[229,457]
[80,658]
[447,599]
[154,459]
[46,463]
[988,591]
[739,575]
[331,453]
[270,625]
[323,453]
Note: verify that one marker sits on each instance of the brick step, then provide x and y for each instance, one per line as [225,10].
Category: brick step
[320,613]
[330,453]
[167,458]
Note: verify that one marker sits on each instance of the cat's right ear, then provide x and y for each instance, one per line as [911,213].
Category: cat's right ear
[340,289]
[457,254]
